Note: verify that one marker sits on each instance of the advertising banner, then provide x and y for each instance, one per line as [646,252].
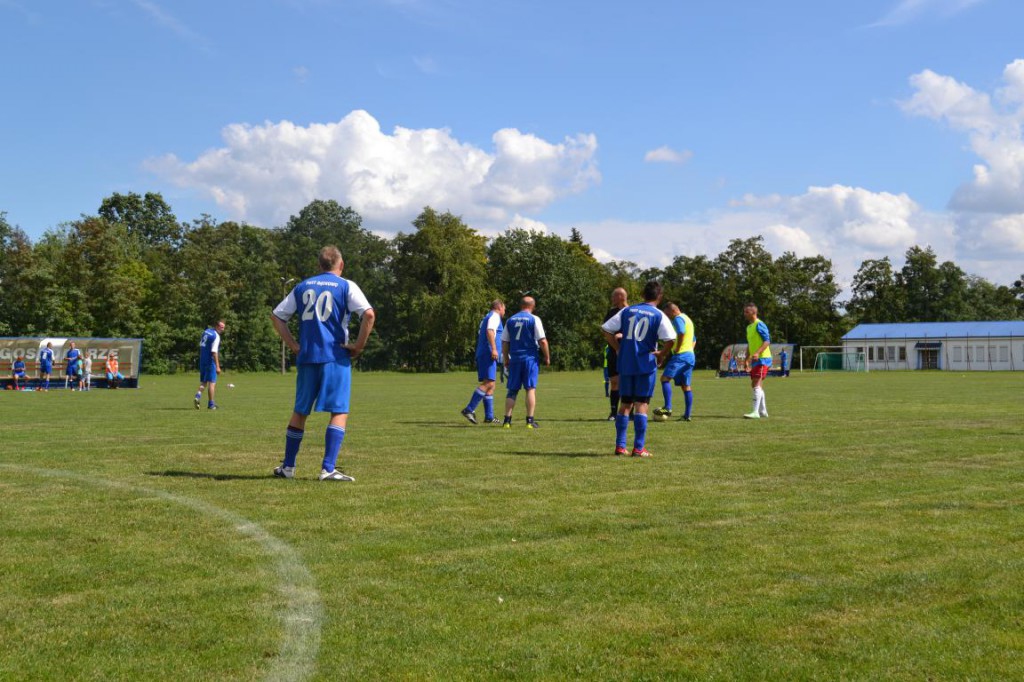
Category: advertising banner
[128,353]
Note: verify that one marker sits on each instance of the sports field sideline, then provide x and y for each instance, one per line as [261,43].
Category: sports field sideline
[872,528]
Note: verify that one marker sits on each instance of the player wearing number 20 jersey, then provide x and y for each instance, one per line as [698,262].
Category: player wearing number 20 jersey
[324,304]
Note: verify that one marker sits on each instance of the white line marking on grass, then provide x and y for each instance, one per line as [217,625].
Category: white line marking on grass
[303,613]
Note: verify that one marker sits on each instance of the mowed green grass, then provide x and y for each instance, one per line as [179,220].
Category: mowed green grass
[872,528]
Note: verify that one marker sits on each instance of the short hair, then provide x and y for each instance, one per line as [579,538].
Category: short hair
[329,258]
[527,302]
[750,304]
[652,290]
[497,303]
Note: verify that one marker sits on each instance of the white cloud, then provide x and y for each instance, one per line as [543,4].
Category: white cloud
[845,224]
[906,11]
[667,155]
[266,173]
[989,209]
[171,23]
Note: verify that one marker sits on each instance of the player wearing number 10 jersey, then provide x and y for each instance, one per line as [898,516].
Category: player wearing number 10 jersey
[642,327]
[325,303]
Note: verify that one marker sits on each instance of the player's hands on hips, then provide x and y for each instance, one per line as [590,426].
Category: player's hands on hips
[354,349]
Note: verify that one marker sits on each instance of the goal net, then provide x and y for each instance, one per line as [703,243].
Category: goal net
[837,361]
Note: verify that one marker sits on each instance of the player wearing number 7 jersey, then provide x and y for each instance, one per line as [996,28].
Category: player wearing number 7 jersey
[325,303]
[642,327]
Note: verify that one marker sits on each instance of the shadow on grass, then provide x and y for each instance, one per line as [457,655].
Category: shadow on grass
[174,409]
[534,453]
[440,425]
[214,477]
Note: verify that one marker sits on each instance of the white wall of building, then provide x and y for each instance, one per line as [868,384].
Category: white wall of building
[954,354]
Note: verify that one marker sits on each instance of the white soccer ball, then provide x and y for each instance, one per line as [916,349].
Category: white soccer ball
[231,385]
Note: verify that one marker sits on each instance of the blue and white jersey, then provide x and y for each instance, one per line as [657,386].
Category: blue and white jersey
[72,356]
[46,357]
[642,327]
[209,343]
[327,302]
[523,333]
[492,322]
[19,366]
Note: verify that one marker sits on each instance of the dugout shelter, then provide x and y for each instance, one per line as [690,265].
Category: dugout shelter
[127,351]
[738,351]
[954,346]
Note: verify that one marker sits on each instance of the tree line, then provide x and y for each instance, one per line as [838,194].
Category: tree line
[134,270]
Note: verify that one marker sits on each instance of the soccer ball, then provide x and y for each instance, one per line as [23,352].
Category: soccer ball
[659,417]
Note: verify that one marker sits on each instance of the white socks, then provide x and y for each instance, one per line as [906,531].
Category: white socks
[758,403]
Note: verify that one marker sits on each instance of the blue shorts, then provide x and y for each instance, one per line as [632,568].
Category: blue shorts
[324,385]
[208,374]
[637,388]
[486,369]
[680,368]
[20,374]
[118,376]
[46,368]
[522,373]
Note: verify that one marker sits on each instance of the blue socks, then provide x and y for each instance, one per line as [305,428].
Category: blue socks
[621,425]
[332,445]
[640,426]
[292,441]
[478,395]
[666,391]
[488,407]
[688,395]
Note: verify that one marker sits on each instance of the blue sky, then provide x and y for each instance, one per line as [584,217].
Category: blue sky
[850,129]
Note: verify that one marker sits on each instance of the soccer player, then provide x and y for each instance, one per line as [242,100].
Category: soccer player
[759,355]
[634,333]
[209,364]
[521,343]
[72,365]
[324,361]
[619,301]
[46,365]
[680,364]
[85,380]
[784,368]
[18,373]
[114,377]
[487,340]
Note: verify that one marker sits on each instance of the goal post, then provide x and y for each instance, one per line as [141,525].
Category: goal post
[840,361]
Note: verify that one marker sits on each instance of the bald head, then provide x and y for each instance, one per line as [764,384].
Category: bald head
[527,303]
[619,298]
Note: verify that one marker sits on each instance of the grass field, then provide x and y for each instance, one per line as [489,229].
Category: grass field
[872,528]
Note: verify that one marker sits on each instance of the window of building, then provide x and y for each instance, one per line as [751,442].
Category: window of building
[979,353]
[991,353]
[958,354]
[891,354]
[871,353]
[1004,353]
[903,353]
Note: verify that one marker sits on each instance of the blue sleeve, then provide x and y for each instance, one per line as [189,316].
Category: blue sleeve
[679,324]
[762,331]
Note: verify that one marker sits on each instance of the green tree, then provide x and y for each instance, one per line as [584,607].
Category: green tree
[570,287]
[440,291]
[877,296]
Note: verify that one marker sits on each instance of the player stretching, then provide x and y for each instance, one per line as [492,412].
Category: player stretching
[324,362]
[209,364]
[523,337]
[641,327]
[46,365]
[759,355]
[680,365]
[487,340]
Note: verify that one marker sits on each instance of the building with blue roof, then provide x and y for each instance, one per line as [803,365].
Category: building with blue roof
[955,346]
